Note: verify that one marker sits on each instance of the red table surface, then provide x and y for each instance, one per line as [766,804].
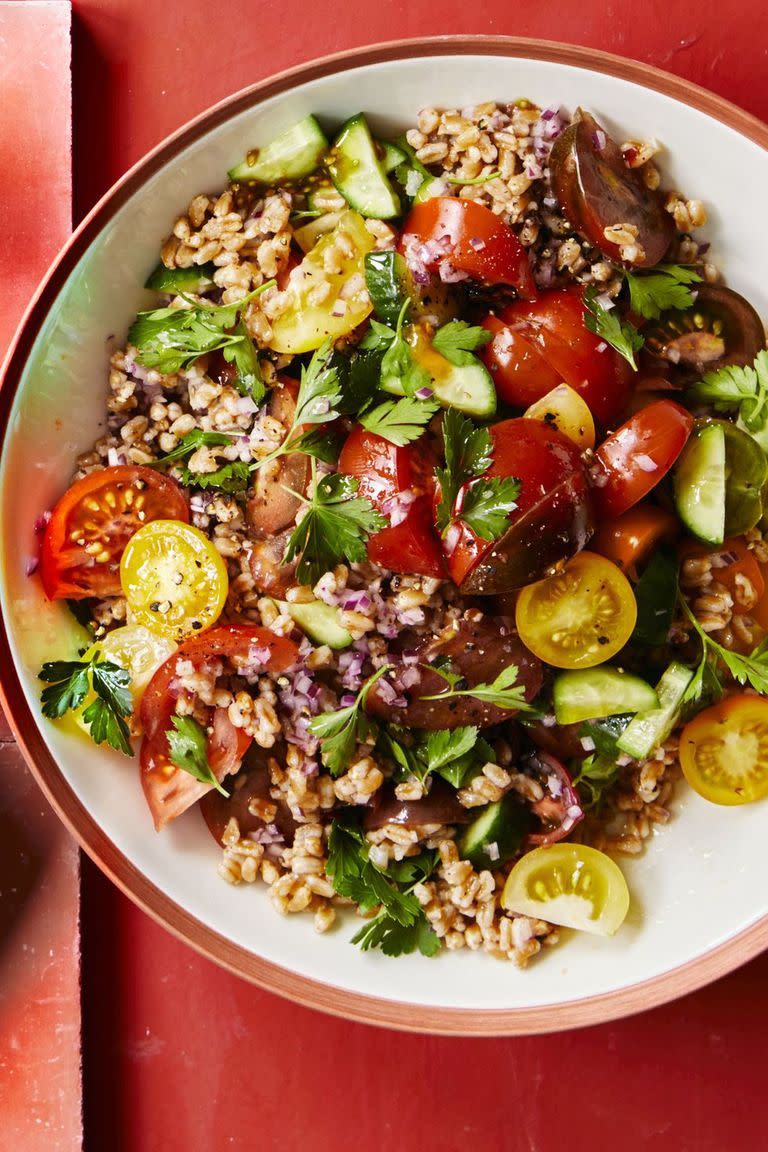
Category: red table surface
[180,1055]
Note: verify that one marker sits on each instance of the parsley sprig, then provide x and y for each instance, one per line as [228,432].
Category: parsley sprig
[339,732]
[608,325]
[316,404]
[171,339]
[483,503]
[232,477]
[188,749]
[457,340]
[456,754]
[400,926]
[752,669]
[733,388]
[666,287]
[399,421]
[335,526]
[398,362]
[503,692]
[69,682]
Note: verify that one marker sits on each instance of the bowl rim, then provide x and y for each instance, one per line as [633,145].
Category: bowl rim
[304,990]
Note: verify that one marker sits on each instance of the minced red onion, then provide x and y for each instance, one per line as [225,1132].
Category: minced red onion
[41,523]
[246,406]
[347,700]
[31,565]
[451,539]
[554,785]
[548,114]
[601,346]
[623,760]
[410,656]
[351,287]
[645,463]
[492,850]
[410,677]
[410,617]
[548,721]
[396,507]
[356,601]
[451,275]
[413,182]
[389,694]
[587,743]
[259,654]
[339,308]
[424,393]
[605,301]
[477,243]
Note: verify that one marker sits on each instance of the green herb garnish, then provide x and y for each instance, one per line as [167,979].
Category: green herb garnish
[752,669]
[503,692]
[666,287]
[399,421]
[734,388]
[340,732]
[69,682]
[486,501]
[608,325]
[398,362]
[457,340]
[188,750]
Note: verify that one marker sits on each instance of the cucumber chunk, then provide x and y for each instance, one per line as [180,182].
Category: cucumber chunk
[320,622]
[468,387]
[592,693]
[699,483]
[650,729]
[181,279]
[292,155]
[358,173]
[496,835]
[392,155]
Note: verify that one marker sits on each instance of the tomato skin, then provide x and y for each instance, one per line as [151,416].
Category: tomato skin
[519,370]
[67,571]
[386,471]
[724,751]
[474,239]
[169,790]
[553,479]
[554,326]
[630,539]
[634,458]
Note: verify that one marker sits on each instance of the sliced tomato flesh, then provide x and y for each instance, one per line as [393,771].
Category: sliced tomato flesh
[91,525]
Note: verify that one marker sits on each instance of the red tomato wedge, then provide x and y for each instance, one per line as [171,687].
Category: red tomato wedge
[400,483]
[170,790]
[638,455]
[544,342]
[92,523]
[552,520]
[453,236]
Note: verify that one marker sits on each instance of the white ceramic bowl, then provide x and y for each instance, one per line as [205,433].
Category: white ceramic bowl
[699,894]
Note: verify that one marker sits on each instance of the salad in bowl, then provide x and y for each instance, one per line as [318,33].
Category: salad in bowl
[423,551]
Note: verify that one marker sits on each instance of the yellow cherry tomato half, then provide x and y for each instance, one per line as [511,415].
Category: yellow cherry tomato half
[569,884]
[724,751]
[173,578]
[564,409]
[580,616]
[134,648]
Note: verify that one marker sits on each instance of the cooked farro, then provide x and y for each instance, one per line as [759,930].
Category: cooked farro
[423,812]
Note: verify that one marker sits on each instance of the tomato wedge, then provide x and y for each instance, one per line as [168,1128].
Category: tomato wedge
[634,458]
[569,884]
[553,328]
[724,751]
[92,523]
[170,790]
[461,239]
[552,519]
[630,539]
[400,483]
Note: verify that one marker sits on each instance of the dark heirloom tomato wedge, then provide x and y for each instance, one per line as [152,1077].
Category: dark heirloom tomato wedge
[553,326]
[439,806]
[638,455]
[251,783]
[92,523]
[271,507]
[461,236]
[721,328]
[478,650]
[400,483]
[596,191]
[169,790]
[559,810]
[552,521]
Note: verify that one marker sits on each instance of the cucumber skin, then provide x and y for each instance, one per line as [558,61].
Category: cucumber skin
[346,184]
[311,149]
[511,822]
[689,478]
[175,280]
[650,729]
[629,694]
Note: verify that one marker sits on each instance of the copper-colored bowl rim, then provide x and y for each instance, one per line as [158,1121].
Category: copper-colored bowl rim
[304,990]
